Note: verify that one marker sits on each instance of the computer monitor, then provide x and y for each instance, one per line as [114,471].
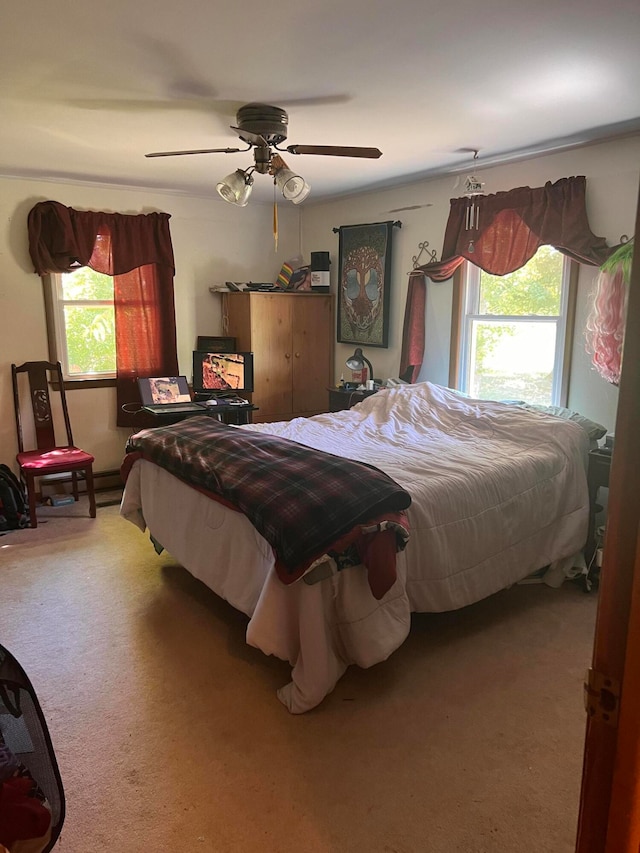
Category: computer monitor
[219,372]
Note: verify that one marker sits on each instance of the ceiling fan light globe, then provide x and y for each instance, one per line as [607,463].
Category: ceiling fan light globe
[293,187]
[225,192]
[236,188]
[302,193]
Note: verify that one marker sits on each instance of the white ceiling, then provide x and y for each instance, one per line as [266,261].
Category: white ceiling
[88,88]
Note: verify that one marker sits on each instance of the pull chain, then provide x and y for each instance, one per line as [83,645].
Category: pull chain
[275,219]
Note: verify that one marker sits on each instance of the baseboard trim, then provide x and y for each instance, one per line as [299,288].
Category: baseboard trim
[104,481]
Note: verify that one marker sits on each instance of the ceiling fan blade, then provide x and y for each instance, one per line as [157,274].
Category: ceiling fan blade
[182,97]
[199,151]
[136,105]
[335,150]
[251,138]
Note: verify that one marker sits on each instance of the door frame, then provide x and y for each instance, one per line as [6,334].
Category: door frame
[609,816]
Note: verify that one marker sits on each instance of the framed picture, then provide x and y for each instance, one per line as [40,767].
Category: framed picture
[211,343]
[363,284]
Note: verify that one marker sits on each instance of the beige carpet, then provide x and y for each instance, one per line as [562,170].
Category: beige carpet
[170,737]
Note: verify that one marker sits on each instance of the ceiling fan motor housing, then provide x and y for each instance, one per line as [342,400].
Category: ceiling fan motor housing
[264,120]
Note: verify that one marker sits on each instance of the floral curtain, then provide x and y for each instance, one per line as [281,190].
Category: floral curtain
[137,251]
[500,233]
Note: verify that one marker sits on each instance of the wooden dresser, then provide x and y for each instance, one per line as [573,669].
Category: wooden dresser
[291,336]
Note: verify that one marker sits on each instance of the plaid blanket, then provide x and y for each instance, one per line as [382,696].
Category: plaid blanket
[305,502]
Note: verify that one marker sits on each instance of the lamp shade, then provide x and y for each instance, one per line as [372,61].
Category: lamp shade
[236,187]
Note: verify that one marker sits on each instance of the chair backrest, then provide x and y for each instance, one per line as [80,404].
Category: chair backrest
[24,732]
[41,374]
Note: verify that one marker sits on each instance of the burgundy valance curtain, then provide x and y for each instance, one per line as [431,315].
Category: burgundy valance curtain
[62,239]
[500,233]
[136,250]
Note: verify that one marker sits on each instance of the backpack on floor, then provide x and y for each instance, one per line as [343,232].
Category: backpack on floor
[14,510]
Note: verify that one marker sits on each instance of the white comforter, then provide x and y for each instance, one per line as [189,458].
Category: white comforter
[498,492]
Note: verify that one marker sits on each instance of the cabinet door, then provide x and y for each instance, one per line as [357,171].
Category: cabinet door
[271,318]
[312,335]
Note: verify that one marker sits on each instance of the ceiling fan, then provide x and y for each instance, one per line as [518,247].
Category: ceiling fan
[264,127]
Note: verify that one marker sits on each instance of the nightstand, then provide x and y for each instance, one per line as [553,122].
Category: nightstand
[339,399]
[597,477]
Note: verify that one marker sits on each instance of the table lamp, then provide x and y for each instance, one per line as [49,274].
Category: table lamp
[357,361]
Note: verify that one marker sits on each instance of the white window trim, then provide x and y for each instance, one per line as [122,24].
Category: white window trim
[469,282]
[54,307]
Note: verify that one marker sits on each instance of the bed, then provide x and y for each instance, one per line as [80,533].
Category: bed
[497,492]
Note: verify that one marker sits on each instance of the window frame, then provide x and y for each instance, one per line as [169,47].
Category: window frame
[54,311]
[460,318]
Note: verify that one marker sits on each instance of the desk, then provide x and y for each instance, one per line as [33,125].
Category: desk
[234,415]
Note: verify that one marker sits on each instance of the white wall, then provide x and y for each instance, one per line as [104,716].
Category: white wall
[612,170]
[212,242]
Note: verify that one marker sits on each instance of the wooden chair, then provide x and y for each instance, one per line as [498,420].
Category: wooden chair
[49,457]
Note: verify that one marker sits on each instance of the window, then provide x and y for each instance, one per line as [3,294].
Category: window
[81,321]
[512,334]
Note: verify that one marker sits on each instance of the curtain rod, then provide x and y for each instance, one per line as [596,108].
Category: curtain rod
[397,223]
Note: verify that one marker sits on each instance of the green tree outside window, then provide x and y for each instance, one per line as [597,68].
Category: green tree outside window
[534,290]
[89,322]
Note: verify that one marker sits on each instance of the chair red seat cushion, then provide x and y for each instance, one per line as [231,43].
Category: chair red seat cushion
[56,457]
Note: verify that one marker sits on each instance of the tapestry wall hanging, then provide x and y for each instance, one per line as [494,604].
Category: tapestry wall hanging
[364,284]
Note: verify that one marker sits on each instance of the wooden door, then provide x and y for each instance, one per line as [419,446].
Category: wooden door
[312,352]
[609,820]
[271,319]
